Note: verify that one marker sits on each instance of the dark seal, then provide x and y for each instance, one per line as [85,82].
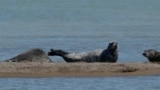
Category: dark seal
[100,55]
[152,55]
[33,55]
[110,54]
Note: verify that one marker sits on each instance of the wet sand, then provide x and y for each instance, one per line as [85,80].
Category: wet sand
[60,69]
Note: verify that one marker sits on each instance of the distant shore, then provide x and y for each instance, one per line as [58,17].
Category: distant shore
[61,69]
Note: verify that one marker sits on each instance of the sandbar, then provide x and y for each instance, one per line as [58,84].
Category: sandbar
[81,69]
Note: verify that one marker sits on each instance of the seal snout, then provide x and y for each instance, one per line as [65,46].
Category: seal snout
[114,45]
[144,54]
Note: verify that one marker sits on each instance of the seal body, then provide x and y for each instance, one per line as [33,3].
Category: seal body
[152,55]
[33,55]
[100,55]
[110,54]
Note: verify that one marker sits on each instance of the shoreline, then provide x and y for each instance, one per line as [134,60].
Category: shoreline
[62,69]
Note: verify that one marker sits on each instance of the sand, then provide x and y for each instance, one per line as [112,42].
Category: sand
[62,69]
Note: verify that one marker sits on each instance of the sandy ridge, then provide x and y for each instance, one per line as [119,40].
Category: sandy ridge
[36,69]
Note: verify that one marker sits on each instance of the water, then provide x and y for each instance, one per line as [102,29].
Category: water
[79,25]
[76,26]
[92,83]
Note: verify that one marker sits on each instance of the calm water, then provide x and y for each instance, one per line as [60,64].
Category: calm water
[93,83]
[76,26]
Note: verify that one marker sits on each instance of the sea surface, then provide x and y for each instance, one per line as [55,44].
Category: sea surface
[79,26]
[82,83]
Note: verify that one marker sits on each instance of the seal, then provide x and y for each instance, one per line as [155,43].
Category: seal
[33,55]
[100,55]
[111,53]
[152,55]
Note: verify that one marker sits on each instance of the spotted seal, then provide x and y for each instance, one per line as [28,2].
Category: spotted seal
[110,54]
[152,55]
